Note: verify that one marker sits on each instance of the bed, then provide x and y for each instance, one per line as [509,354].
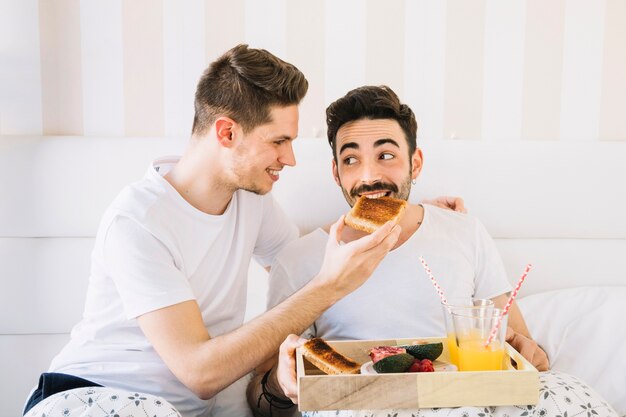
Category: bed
[556,204]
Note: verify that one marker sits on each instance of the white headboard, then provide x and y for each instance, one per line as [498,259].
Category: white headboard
[559,205]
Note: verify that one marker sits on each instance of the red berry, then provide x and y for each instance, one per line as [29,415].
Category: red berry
[415,366]
[425,366]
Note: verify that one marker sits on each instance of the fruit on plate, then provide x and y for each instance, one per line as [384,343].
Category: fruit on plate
[424,350]
[395,363]
[381,352]
[423,365]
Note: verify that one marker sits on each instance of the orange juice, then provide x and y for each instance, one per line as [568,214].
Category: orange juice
[475,356]
[453,349]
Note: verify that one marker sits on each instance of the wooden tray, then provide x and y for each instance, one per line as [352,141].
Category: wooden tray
[317,391]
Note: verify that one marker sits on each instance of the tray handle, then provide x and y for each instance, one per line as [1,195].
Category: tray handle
[522,363]
[299,362]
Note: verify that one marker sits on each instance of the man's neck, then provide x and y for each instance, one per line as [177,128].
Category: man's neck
[197,181]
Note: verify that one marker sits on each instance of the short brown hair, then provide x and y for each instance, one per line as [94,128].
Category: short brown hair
[371,102]
[243,84]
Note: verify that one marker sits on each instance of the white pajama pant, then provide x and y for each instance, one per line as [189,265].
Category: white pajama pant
[102,402]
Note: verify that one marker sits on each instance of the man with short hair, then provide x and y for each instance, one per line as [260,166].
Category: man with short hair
[167,291]
[373,139]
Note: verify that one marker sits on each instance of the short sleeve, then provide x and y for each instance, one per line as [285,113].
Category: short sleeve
[491,279]
[276,231]
[143,269]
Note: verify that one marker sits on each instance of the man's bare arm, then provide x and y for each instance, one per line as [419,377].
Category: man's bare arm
[206,364]
[519,337]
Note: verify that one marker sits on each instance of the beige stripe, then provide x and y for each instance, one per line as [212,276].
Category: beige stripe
[142,28]
[612,114]
[463,101]
[224,27]
[384,57]
[305,49]
[61,85]
[543,69]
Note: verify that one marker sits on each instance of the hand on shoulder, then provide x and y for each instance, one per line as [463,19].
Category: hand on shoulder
[448,202]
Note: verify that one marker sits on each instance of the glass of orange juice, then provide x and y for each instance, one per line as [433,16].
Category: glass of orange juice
[461,304]
[472,329]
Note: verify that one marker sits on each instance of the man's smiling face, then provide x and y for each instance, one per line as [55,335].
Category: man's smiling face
[262,153]
[373,160]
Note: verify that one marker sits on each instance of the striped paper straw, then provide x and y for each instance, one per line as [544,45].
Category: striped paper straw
[433,280]
[505,310]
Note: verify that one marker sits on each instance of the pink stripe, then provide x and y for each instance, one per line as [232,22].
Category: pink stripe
[142,28]
[61,75]
[543,69]
[224,27]
[464,62]
[613,102]
[383,63]
[305,26]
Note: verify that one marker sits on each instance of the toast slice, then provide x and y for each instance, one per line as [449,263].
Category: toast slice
[368,214]
[327,359]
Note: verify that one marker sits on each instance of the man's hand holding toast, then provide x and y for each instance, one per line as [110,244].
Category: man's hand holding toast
[348,265]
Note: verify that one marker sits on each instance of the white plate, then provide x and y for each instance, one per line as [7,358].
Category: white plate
[368,368]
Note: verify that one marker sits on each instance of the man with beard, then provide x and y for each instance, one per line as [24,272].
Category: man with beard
[373,140]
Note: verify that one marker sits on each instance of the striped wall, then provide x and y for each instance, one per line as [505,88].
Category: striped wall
[481,69]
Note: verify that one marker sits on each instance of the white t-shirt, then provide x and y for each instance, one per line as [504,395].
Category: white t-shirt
[399,300]
[153,250]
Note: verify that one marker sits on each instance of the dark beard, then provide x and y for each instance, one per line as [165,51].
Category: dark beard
[377,186]
[402,192]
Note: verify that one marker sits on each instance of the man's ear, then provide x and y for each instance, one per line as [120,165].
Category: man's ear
[417,160]
[225,129]
[336,172]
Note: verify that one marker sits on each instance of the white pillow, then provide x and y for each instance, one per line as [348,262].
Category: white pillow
[583,332]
